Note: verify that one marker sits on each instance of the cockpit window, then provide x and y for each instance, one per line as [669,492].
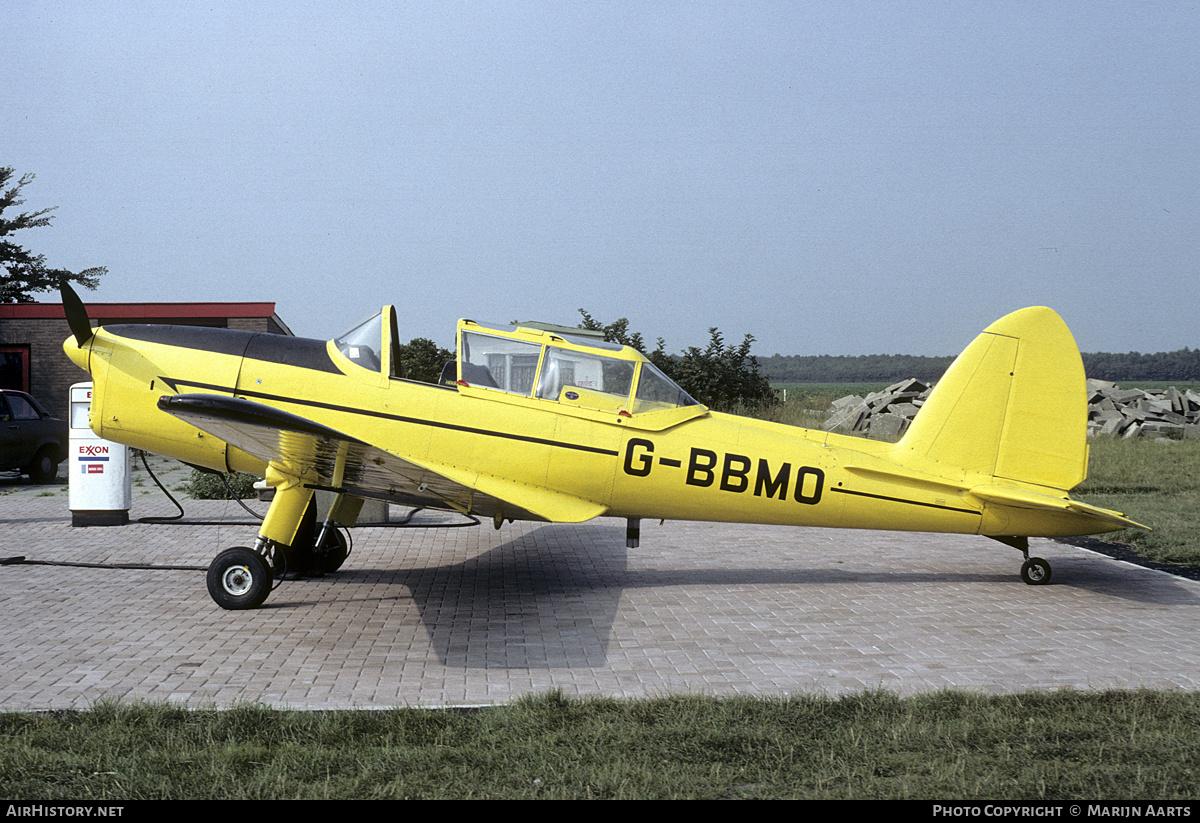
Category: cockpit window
[499,363]
[584,379]
[374,343]
[361,344]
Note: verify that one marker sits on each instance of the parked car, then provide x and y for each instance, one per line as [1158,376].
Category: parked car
[31,441]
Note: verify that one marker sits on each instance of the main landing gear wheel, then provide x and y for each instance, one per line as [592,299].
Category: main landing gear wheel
[1035,571]
[239,579]
[331,556]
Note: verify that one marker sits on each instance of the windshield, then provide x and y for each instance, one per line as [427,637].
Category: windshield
[361,344]
[657,391]
[374,343]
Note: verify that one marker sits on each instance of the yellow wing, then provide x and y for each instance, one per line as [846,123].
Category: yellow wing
[339,462]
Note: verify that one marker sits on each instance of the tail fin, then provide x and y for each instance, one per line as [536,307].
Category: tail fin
[1013,405]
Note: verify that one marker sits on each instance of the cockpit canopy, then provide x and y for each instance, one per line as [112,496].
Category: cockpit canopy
[574,371]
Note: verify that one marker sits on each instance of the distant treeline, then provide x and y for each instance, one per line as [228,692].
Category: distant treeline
[875,368]
[1171,365]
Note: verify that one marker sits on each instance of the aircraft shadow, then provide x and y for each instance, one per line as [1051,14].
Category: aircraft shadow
[548,598]
[525,604]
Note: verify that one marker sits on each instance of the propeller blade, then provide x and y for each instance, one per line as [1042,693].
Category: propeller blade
[77,316]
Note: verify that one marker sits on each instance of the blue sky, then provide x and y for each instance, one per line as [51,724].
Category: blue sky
[834,178]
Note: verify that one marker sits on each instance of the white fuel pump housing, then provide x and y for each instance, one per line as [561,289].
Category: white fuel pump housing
[101,485]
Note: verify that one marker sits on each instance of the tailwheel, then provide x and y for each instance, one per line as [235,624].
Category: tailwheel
[239,578]
[1035,571]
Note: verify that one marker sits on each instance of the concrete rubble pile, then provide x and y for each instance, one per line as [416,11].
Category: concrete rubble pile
[1117,412]
[882,415]
[1112,411]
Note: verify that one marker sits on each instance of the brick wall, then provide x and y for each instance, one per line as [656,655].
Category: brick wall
[51,374]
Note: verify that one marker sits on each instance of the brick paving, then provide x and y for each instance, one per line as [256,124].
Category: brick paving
[445,616]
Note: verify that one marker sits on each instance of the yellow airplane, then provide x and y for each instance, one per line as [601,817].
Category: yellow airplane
[534,425]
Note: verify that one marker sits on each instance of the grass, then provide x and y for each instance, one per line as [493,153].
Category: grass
[1156,483]
[1035,746]
[808,404]
[799,391]
[1182,385]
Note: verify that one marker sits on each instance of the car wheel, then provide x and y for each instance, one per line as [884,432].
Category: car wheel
[43,468]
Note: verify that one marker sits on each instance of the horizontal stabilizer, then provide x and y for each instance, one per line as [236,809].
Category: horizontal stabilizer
[1026,499]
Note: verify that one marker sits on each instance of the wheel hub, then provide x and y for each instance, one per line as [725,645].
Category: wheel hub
[237,580]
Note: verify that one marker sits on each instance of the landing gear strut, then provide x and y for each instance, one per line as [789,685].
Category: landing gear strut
[241,578]
[289,541]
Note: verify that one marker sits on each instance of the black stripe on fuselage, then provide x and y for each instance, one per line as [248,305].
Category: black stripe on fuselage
[301,352]
[316,404]
[902,500]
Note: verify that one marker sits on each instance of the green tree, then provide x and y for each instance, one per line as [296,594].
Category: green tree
[615,332]
[423,359]
[720,376]
[723,376]
[24,272]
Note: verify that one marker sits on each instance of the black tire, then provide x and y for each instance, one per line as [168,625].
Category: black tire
[334,554]
[1035,571]
[43,468]
[239,579]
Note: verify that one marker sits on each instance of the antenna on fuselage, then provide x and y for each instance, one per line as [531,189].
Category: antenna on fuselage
[77,316]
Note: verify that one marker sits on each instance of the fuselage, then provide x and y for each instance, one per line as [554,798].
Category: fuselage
[683,462]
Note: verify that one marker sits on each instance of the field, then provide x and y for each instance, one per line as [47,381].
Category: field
[1156,483]
[807,404]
